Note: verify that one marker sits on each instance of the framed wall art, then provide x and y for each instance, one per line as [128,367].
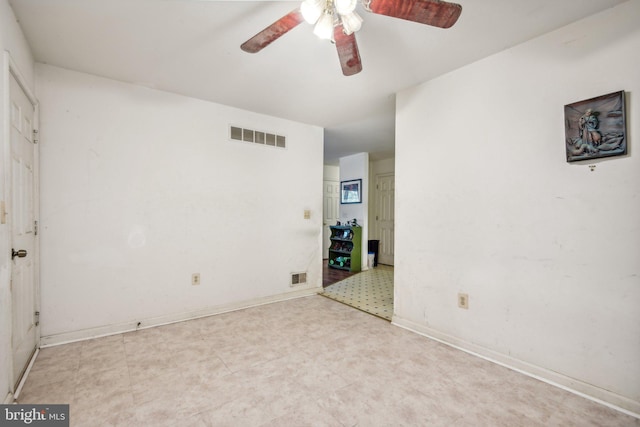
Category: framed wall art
[351,191]
[596,127]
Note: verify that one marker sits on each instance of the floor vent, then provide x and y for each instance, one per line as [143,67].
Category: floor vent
[257,137]
[298,279]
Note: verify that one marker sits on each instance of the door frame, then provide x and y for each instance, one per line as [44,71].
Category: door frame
[11,69]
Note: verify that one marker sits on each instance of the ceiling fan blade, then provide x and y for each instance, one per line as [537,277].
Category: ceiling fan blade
[430,12]
[347,51]
[273,32]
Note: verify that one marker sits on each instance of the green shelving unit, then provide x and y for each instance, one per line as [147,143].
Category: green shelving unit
[345,252]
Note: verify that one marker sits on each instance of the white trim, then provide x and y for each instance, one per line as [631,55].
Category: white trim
[588,391]
[9,399]
[16,394]
[6,180]
[102,331]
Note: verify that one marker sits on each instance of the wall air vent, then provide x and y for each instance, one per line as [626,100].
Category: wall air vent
[298,279]
[257,137]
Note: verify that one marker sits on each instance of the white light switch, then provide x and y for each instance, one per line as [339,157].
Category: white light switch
[307,214]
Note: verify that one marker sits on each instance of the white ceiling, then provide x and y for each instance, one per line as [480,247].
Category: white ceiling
[192,47]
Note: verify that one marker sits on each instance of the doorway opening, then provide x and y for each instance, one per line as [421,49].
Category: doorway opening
[370,290]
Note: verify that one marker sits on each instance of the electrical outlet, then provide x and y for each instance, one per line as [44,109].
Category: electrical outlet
[463,301]
[195,279]
[307,214]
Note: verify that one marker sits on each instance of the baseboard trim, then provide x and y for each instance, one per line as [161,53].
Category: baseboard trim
[588,391]
[16,394]
[119,328]
[9,399]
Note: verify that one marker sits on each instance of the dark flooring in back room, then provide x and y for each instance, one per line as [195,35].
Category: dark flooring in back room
[332,275]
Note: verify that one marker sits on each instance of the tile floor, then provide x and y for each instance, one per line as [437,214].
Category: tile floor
[370,291]
[303,362]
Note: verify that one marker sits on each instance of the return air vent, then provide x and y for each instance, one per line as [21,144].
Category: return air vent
[298,279]
[257,137]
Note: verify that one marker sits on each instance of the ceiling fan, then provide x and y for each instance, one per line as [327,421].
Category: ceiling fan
[338,21]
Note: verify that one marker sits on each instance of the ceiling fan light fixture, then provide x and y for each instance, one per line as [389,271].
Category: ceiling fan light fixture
[345,7]
[351,22]
[311,10]
[324,26]
[337,21]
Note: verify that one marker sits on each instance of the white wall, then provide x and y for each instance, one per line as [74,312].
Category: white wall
[486,204]
[382,166]
[13,41]
[331,173]
[352,167]
[142,188]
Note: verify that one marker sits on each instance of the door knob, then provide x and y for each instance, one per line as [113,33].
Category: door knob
[19,253]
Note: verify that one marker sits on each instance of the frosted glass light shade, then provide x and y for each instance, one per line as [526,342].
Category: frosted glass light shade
[345,7]
[311,10]
[324,27]
[351,22]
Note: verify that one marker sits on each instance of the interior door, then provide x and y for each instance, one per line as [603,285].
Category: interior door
[385,201]
[331,206]
[23,234]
